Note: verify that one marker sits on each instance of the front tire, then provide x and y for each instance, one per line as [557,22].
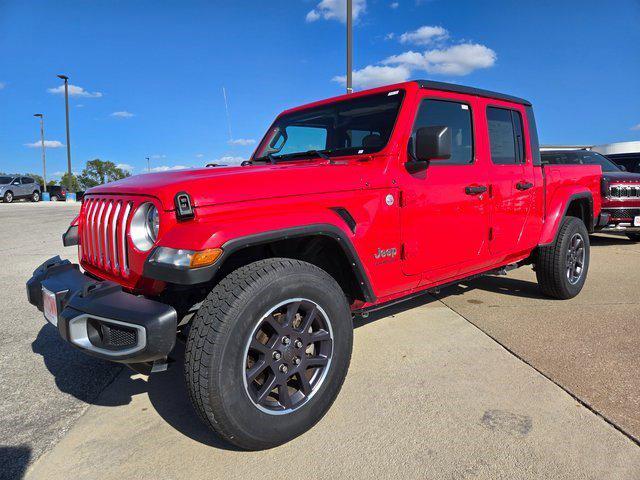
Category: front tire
[268,352]
[562,267]
[8,197]
[633,236]
[35,197]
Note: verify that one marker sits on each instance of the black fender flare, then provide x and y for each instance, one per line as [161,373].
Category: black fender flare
[193,276]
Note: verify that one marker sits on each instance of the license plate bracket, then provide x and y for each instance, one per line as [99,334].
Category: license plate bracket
[636,221]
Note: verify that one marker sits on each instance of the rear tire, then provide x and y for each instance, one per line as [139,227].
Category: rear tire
[54,198]
[562,267]
[634,236]
[35,197]
[280,317]
[8,197]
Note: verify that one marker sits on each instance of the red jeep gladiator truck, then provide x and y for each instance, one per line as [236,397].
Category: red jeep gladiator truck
[347,205]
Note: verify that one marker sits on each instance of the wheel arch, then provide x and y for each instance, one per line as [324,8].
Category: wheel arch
[324,245]
[576,204]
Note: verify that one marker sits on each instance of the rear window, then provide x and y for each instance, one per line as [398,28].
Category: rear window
[505,135]
[27,180]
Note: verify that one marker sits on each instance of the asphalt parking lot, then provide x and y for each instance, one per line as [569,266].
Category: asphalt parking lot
[488,380]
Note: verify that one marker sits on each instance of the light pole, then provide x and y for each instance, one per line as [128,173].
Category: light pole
[66,103]
[148,164]
[44,160]
[349,46]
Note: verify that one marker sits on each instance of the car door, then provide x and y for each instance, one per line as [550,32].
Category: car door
[511,179]
[28,185]
[444,210]
[17,187]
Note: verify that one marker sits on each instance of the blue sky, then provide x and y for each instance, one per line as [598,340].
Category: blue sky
[149,74]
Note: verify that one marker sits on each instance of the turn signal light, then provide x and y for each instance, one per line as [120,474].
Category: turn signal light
[204,258]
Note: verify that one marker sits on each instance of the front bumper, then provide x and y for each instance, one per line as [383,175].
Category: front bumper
[618,220]
[102,320]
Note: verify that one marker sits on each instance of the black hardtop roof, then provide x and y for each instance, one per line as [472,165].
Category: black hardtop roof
[452,87]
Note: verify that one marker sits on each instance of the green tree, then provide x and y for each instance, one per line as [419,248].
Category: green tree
[98,172]
[75,184]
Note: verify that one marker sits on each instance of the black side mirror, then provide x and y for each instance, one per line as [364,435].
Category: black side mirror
[431,143]
[623,168]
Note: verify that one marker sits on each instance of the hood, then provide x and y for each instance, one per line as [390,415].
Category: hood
[622,177]
[219,185]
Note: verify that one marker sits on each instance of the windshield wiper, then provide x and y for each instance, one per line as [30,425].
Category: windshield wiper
[266,158]
[319,153]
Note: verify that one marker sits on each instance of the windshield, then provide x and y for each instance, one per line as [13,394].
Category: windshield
[579,158]
[5,180]
[361,125]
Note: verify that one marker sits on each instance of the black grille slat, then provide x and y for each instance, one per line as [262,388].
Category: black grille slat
[624,191]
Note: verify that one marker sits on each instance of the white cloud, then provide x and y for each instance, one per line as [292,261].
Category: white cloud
[242,141]
[199,155]
[424,35]
[80,105]
[336,10]
[166,168]
[636,127]
[122,114]
[75,91]
[2,85]
[47,144]
[389,36]
[376,75]
[458,60]
[157,156]
[394,5]
[126,166]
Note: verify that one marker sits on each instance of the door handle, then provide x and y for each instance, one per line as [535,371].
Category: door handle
[475,189]
[524,185]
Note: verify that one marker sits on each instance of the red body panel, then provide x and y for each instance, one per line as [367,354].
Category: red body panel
[439,232]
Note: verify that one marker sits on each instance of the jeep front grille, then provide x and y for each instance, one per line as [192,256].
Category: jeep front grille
[104,234]
[624,191]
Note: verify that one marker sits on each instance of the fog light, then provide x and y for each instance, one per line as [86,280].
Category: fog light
[185,258]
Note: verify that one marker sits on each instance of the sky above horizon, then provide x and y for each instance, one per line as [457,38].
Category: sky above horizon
[147,77]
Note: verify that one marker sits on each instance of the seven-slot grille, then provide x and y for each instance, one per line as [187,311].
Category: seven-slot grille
[624,191]
[103,234]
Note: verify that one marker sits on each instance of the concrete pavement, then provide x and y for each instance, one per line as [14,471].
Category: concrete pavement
[428,395]
[44,385]
[589,344]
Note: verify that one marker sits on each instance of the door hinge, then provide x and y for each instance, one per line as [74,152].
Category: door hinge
[490,233]
[401,198]
[403,252]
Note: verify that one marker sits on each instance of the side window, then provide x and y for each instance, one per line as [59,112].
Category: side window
[27,180]
[303,138]
[456,116]
[506,136]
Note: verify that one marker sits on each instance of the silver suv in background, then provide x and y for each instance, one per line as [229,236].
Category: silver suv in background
[13,187]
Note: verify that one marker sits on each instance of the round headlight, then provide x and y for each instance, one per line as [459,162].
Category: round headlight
[144,226]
